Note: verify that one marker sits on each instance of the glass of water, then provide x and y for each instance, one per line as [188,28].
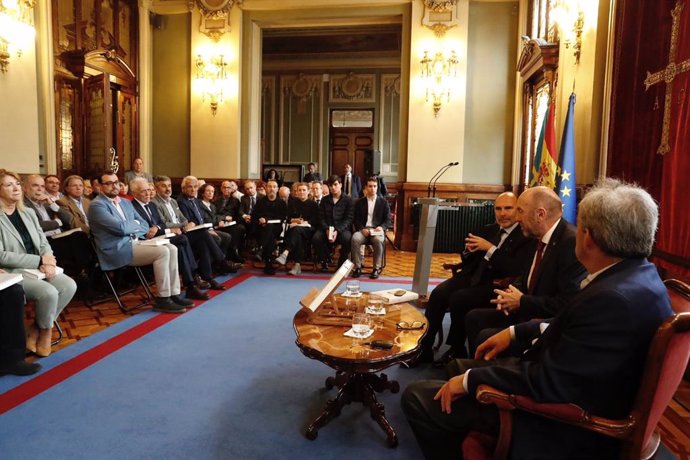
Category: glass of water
[352,288]
[361,325]
[376,305]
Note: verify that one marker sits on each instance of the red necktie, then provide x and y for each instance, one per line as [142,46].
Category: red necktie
[537,262]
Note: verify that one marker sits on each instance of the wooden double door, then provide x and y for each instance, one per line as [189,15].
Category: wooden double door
[351,146]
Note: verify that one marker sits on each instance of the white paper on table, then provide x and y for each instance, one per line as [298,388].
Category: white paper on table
[351,333]
[374,311]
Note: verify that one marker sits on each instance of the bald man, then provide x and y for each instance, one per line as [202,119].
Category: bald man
[552,278]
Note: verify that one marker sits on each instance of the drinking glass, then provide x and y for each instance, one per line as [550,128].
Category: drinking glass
[361,325]
[376,305]
[352,287]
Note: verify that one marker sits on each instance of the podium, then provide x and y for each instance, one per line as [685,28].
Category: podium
[425,244]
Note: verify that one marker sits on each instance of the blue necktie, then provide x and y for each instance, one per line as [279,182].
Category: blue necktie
[199,219]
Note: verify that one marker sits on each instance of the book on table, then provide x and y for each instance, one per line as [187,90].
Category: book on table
[315,297]
[9,279]
[35,273]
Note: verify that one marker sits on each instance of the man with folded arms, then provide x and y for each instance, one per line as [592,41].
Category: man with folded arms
[117,228]
[591,354]
[141,192]
[205,249]
[51,218]
[268,217]
[372,214]
[303,218]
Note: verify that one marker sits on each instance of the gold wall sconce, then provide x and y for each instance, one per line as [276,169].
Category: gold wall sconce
[211,78]
[570,19]
[439,77]
[16,29]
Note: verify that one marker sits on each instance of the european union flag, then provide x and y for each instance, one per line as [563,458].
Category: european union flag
[565,179]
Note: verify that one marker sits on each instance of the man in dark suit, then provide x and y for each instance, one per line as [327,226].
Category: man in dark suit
[336,212]
[591,354]
[228,210]
[372,215]
[142,192]
[268,218]
[494,255]
[548,283]
[352,184]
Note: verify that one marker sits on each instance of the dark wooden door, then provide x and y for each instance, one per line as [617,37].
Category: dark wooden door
[349,146]
[98,124]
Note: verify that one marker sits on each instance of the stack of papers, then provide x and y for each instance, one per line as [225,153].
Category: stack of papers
[8,279]
[37,274]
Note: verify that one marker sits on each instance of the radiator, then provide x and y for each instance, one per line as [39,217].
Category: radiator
[454,222]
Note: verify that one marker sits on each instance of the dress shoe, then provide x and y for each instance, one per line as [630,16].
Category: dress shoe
[32,338]
[43,344]
[215,285]
[194,292]
[19,368]
[296,269]
[200,283]
[236,257]
[356,273]
[448,356]
[166,305]
[181,302]
[324,267]
[375,273]
[269,270]
[426,356]
[234,266]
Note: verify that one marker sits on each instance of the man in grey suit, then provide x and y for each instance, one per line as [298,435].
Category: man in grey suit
[117,230]
[50,216]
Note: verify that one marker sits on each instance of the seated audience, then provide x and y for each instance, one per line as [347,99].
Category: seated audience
[23,245]
[303,219]
[335,216]
[247,205]
[227,214]
[284,194]
[141,190]
[12,338]
[312,174]
[372,214]
[88,190]
[591,354]
[268,218]
[51,218]
[325,191]
[95,187]
[206,250]
[495,255]
[230,188]
[75,202]
[124,191]
[552,279]
[316,191]
[261,188]
[52,183]
[117,229]
[137,171]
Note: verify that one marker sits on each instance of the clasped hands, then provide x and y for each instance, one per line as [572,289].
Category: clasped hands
[508,300]
[488,350]
[48,264]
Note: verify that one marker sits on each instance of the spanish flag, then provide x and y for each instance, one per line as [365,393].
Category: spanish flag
[545,165]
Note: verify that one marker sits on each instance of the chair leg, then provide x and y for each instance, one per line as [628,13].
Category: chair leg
[60,333]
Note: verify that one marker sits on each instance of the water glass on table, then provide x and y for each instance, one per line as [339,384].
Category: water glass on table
[376,305]
[352,288]
[361,325]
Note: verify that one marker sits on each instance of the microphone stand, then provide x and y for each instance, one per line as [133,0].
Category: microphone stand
[445,168]
[438,173]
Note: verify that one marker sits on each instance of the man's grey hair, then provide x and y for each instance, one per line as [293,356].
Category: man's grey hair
[621,218]
[189,179]
[138,183]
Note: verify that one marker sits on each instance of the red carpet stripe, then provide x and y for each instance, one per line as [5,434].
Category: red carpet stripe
[44,381]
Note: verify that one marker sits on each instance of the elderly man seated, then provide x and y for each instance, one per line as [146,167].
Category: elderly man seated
[117,229]
[51,218]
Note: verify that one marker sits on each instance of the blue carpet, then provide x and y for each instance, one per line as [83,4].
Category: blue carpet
[224,380]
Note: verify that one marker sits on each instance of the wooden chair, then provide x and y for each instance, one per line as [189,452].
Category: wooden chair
[666,360]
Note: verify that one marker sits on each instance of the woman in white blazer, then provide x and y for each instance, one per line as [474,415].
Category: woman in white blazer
[23,245]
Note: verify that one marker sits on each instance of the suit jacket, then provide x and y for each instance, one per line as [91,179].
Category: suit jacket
[112,235]
[78,219]
[210,215]
[592,354]
[13,256]
[152,221]
[245,204]
[311,177]
[165,214]
[381,217]
[338,215]
[51,224]
[187,207]
[558,277]
[307,210]
[356,186]
[228,207]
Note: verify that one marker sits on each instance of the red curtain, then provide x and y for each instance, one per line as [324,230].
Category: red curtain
[643,43]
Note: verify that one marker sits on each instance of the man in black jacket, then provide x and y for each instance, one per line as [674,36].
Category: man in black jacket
[268,218]
[228,210]
[336,214]
[372,219]
[591,354]
[495,253]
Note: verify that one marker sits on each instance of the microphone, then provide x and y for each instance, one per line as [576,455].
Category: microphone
[438,173]
[441,173]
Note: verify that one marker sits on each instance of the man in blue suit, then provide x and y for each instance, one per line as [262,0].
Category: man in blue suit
[117,230]
[591,354]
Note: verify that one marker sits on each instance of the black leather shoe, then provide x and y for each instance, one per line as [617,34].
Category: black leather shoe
[269,270]
[324,267]
[426,356]
[194,292]
[375,273]
[356,273]
[19,368]
[166,305]
[447,357]
[234,266]
[200,283]
[236,257]
[181,302]
[215,285]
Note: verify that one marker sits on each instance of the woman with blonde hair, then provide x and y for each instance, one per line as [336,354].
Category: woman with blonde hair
[23,245]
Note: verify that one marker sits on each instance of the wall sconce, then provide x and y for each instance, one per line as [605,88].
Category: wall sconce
[438,75]
[16,29]
[565,14]
[211,78]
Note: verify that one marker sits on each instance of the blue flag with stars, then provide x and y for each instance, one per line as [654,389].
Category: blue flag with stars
[565,179]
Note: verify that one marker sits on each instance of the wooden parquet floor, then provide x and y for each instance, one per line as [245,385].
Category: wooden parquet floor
[78,322]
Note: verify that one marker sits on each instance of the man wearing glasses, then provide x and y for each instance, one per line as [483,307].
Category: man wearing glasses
[117,229]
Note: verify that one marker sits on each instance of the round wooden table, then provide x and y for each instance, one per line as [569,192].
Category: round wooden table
[357,363]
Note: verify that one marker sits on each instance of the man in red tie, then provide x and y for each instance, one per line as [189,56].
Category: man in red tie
[553,277]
